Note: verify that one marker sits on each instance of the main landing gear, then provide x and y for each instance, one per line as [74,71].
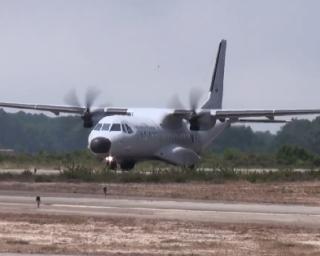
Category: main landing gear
[127,165]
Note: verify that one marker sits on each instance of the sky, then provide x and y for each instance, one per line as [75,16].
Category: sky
[139,53]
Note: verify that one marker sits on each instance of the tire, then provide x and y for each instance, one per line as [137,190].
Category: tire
[127,165]
[113,165]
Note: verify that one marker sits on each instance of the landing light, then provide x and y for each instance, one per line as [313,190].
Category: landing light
[109,159]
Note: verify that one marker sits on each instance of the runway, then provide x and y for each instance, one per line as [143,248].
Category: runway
[207,211]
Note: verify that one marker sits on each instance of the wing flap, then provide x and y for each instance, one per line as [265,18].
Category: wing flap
[268,121]
[114,111]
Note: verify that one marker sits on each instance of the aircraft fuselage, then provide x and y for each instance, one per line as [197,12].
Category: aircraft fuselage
[140,137]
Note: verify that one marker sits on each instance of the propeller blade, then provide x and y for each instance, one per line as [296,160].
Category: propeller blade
[199,119]
[88,116]
[194,98]
[175,103]
[72,99]
[91,95]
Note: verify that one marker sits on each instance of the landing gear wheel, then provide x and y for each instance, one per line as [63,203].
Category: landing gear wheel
[127,165]
[113,165]
[191,167]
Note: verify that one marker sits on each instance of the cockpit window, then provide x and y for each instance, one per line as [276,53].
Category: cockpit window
[129,129]
[115,128]
[105,127]
[124,129]
[97,127]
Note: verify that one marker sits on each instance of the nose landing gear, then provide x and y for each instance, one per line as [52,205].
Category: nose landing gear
[111,163]
[125,165]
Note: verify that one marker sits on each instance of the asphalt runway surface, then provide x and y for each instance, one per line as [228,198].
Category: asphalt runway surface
[93,205]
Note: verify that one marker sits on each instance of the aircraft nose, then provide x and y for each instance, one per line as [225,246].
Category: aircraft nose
[100,145]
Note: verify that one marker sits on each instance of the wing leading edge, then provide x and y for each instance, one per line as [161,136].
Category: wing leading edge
[56,109]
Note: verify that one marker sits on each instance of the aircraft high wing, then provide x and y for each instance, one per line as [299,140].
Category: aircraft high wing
[186,114]
[86,113]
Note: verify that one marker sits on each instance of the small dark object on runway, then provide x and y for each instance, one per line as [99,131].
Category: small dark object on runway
[38,200]
[105,191]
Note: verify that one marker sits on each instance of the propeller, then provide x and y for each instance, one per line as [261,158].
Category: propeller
[195,98]
[194,101]
[90,97]
[198,120]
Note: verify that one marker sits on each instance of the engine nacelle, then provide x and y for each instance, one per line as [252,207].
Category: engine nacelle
[87,120]
[202,122]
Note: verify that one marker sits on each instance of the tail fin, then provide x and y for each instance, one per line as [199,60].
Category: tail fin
[216,89]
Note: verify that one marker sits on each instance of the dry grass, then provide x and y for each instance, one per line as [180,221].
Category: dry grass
[130,236]
[282,192]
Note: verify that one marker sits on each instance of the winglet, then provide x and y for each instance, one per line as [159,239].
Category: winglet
[216,89]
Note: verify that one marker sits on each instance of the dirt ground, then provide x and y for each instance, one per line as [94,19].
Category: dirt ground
[283,192]
[62,234]
[130,236]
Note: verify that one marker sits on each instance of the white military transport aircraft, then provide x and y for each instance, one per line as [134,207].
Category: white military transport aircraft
[177,135]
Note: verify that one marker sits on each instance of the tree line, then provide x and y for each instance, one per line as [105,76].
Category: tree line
[33,133]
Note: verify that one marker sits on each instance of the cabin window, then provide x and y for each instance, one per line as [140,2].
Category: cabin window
[129,129]
[105,127]
[115,128]
[97,127]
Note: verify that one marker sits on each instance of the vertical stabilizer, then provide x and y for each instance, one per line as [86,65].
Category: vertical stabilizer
[216,89]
